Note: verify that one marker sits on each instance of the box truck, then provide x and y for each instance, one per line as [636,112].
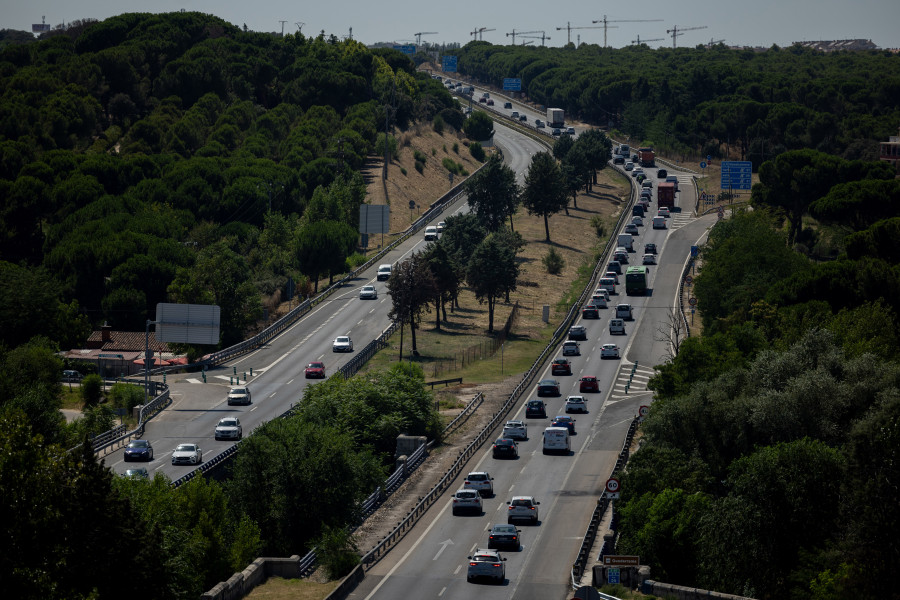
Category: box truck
[647,157]
[625,241]
[665,194]
[555,117]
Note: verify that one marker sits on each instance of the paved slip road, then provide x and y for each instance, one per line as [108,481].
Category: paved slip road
[278,379]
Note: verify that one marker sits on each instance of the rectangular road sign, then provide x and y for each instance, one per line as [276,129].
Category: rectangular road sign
[613,576]
[448,64]
[187,323]
[621,560]
[374,218]
[736,174]
[512,84]
[406,49]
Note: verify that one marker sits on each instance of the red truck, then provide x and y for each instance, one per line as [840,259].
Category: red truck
[665,194]
[647,157]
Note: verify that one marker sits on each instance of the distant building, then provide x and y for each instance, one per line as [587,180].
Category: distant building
[835,45]
[890,150]
[119,353]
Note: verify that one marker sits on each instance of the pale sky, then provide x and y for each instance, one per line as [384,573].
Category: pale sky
[739,23]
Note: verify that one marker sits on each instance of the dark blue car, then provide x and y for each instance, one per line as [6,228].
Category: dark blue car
[139,450]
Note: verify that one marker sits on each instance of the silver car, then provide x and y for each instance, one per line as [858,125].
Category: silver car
[486,563]
[239,395]
[368,292]
[515,430]
[481,482]
[229,428]
[465,500]
[342,343]
[187,454]
[576,404]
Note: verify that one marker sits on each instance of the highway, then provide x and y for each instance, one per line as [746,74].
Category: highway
[278,379]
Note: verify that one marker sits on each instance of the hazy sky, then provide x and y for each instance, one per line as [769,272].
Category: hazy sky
[744,23]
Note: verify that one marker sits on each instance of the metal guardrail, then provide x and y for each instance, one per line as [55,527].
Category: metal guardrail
[462,416]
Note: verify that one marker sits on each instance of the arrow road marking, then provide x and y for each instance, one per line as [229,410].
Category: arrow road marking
[444,544]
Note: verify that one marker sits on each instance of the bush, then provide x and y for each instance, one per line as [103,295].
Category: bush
[438,125]
[419,156]
[477,151]
[434,151]
[355,260]
[599,226]
[456,147]
[554,262]
[452,166]
[403,170]
[125,395]
[420,166]
[336,550]
[392,145]
[91,390]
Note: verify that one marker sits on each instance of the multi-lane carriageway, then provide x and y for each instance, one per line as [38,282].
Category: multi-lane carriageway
[430,561]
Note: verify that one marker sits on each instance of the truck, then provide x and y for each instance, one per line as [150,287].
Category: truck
[647,157]
[665,194]
[625,241]
[555,117]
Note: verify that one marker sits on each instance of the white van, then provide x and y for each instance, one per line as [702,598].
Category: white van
[431,233]
[616,327]
[556,439]
[625,241]
[608,284]
[384,272]
[659,222]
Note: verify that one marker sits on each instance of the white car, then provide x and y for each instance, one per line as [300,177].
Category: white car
[431,233]
[342,343]
[570,130]
[440,226]
[609,351]
[187,454]
[601,293]
[465,500]
[664,212]
[481,482]
[649,259]
[629,166]
[571,349]
[368,292]
[522,508]
[576,404]
[229,428]
[516,430]
[637,220]
[239,395]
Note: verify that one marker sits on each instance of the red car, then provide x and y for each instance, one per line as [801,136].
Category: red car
[315,370]
[588,383]
[561,366]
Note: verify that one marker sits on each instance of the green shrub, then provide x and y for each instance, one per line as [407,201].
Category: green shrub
[91,390]
[438,125]
[392,145]
[599,226]
[456,147]
[434,151]
[420,166]
[336,550]
[355,260]
[553,262]
[403,170]
[445,149]
[451,165]
[419,156]
[477,151]
[125,395]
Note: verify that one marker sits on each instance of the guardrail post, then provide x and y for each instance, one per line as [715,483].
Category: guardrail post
[245,376]
[234,371]
[164,377]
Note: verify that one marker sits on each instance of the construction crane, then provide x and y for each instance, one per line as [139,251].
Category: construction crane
[676,32]
[420,34]
[604,20]
[639,41]
[713,42]
[480,32]
[569,29]
[541,37]
[514,33]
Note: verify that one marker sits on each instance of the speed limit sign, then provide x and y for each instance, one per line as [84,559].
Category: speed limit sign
[644,411]
[612,485]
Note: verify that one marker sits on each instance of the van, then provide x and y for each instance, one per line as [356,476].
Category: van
[556,439]
[384,272]
[638,210]
[70,376]
[616,327]
[625,241]
[623,311]
[431,233]
[608,284]
[615,266]
[659,222]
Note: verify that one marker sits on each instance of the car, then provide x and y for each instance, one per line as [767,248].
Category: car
[588,383]
[315,370]
[635,157]
[70,376]
[590,310]
[139,450]
[571,348]
[466,500]
[650,248]
[629,166]
[608,283]
[557,131]
[503,536]
[561,366]
[601,294]
[647,194]
[229,428]
[515,430]
[577,332]
[431,233]
[622,257]
[486,563]
[239,395]
[614,265]
[384,272]
[482,100]
[614,275]
[440,226]
[635,172]
[505,448]
[597,302]
[661,174]
[618,160]
[632,229]
[139,473]
[664,212]
[609,351]
[522,508]
[538,123]
[187,454]
[649,259]
[523,117]
[576,404]
[342,343]
[564,421]
[490,102]
[637,220]
[570,130]
[507,105]
[624,311]
[536,409]
[514,115]
[646,185]
[548,387]
[481,482]
[368,292]
[672,179]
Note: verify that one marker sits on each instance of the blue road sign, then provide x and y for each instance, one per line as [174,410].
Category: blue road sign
[709,157]
[512,84]
[736,174]
[703,164]
[695,250]
[612,575]
[448,64]
[406,49]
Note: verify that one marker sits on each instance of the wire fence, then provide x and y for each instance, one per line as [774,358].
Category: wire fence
[480,351]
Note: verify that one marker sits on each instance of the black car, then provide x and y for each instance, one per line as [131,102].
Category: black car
[505,447]
[614,266]
[662,174]
[577,332]
[503,536]
[548,387]
[536,409]
[139,450]
[650,248]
